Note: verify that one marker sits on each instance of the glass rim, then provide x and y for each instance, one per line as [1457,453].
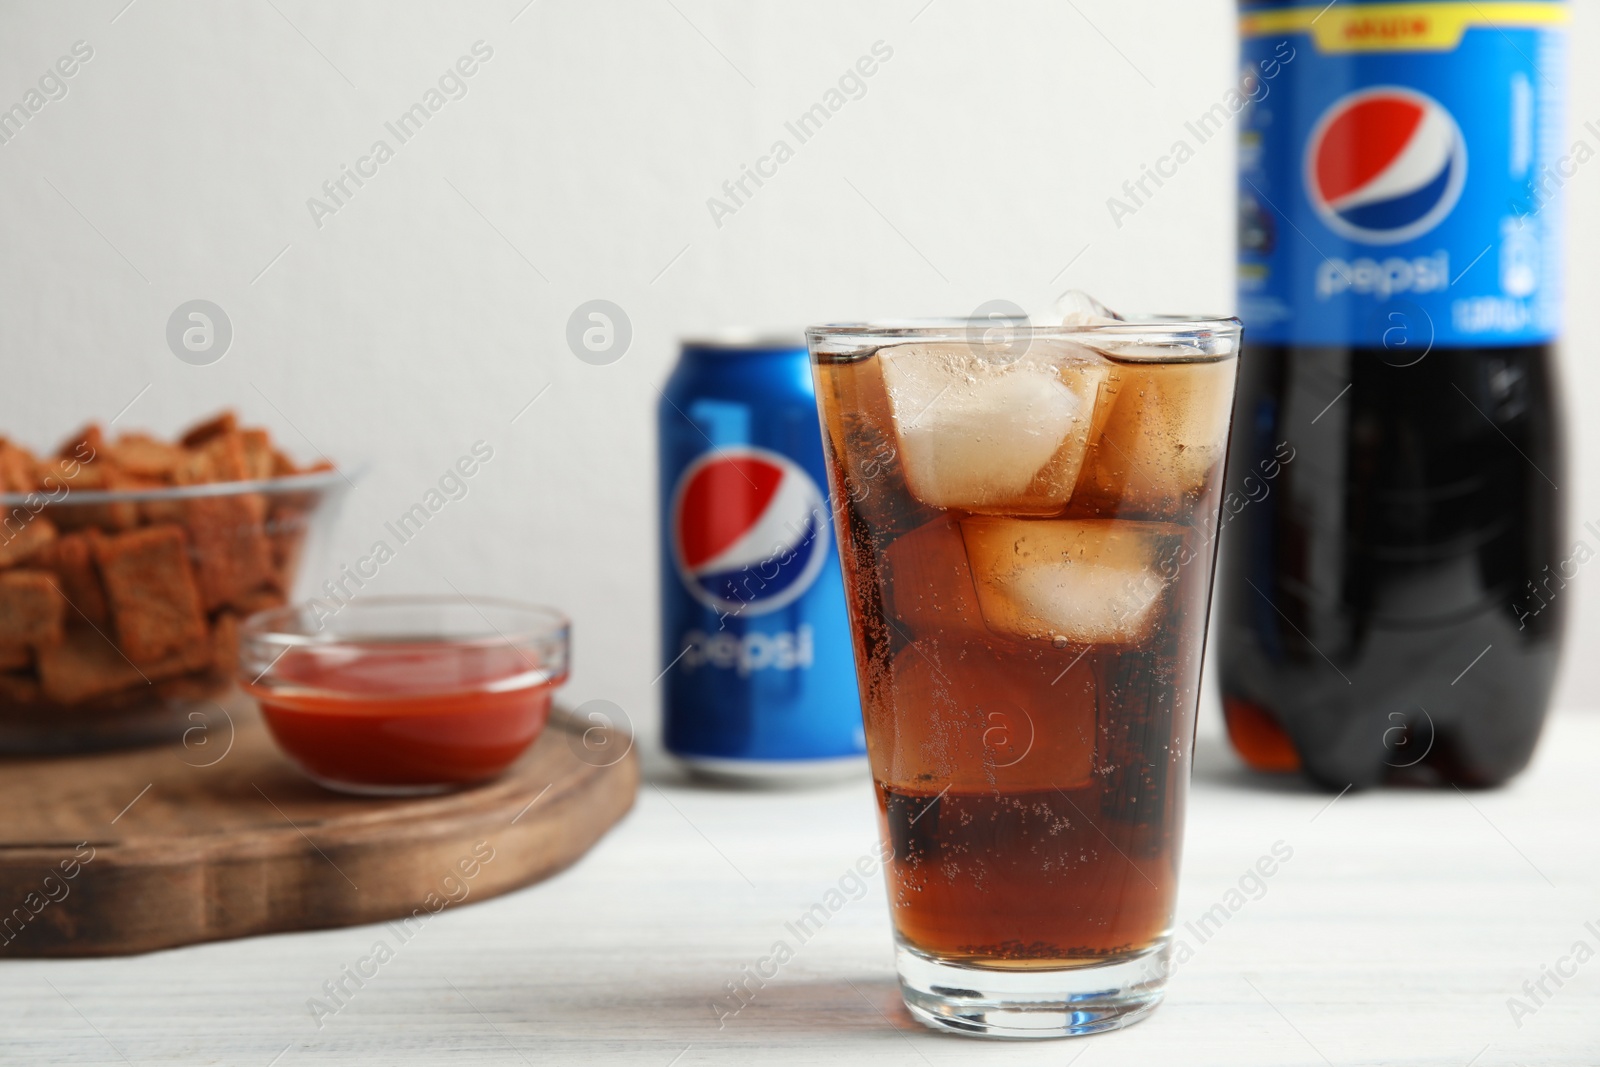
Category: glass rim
[288,483]
[962,328]
[280,627]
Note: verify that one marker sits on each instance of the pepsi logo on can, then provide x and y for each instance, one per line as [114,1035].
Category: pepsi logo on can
[749,530]
[1385,164]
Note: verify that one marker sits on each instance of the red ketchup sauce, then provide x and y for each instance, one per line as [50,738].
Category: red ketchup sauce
[395,715]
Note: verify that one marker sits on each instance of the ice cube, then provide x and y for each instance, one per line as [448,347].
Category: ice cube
[977,433]
[927,582]
[1082,581]
[1165,435]
[969,715]
[1077,308]
[860,436]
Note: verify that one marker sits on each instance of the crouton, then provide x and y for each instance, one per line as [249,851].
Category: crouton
[233,556]
[143,455]
[154,603]
[86,666]
[200,433]
[19,469]
[64,476]
[258,454]
[24,536]
[228,458]
[78,578]
[31,611]
[221,458]
[155,512]
[85,446]
[73,473]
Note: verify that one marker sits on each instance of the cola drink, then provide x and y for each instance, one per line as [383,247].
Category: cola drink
[1391,604]
[1026,524]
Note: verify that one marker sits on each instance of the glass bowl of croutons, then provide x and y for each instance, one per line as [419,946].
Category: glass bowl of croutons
[126,565]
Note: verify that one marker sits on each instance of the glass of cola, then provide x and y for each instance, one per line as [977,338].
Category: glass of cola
[1027,520]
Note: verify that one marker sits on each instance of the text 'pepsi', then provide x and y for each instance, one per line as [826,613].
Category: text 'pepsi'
[759,678]
[752,652]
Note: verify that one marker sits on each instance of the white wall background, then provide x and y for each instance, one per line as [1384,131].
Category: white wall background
[432,307]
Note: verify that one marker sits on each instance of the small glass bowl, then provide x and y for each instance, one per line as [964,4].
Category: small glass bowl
[404,695]
[243,547]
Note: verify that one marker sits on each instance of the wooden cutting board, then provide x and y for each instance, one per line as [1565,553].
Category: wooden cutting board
[219,836]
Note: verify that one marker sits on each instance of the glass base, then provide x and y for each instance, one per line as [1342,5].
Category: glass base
[1032,1003]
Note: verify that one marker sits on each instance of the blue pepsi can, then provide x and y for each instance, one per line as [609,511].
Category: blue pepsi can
[758,676]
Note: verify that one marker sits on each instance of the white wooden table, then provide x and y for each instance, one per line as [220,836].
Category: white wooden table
[1395,934]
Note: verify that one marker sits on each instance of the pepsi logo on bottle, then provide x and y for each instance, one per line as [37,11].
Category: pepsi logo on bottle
[749,530]
[1397,184]
[757,673]
[1384,165]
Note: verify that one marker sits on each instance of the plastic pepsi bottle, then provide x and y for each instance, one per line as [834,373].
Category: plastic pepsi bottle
[1393,561]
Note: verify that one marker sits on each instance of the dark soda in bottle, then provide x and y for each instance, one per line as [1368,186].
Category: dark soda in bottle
[1393,572]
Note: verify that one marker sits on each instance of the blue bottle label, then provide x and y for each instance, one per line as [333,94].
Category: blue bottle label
[1399,165]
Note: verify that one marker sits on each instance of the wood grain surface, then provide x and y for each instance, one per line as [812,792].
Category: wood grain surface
[218,836]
